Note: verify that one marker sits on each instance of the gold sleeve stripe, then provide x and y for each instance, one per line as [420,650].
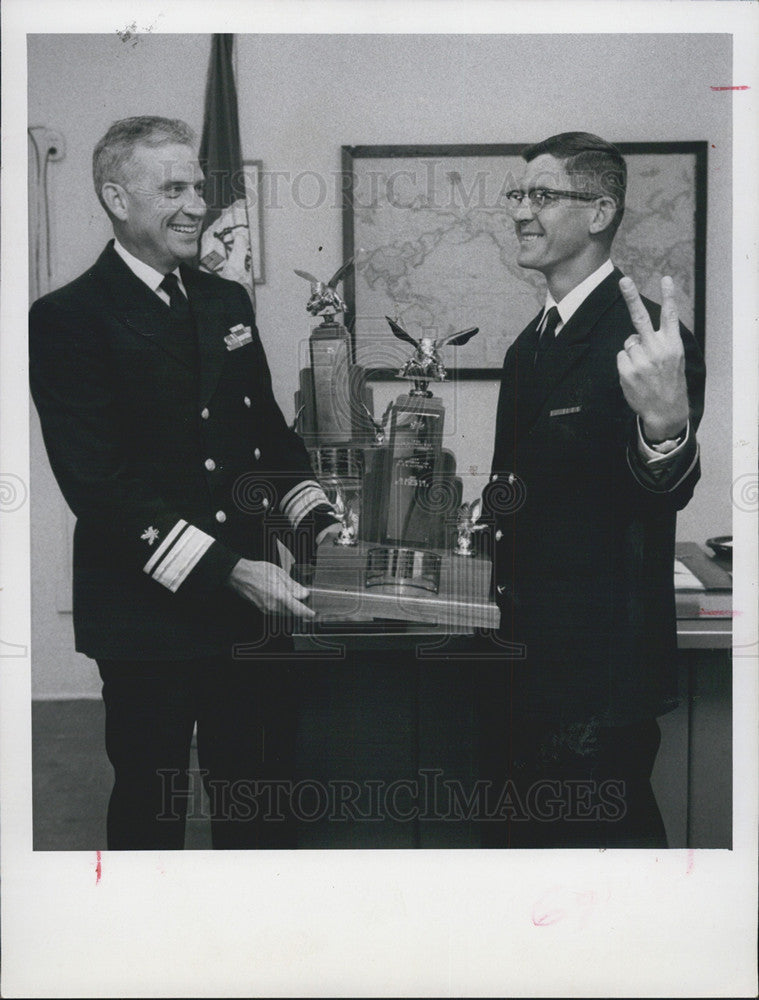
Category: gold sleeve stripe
[288,498]
[308,498]
[182,552]
[181,561]
[164,546]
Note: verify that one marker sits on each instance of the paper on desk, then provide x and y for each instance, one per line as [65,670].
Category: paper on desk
[684,579]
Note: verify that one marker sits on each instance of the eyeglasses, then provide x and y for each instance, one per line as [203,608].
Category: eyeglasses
[539,198]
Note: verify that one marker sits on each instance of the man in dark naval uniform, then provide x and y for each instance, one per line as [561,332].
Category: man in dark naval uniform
[600,399]
[163,432]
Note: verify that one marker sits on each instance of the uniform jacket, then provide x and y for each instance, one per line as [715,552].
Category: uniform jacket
[173,455]
[583,531]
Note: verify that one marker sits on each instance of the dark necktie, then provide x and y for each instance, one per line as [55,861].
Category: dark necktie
[182,323]
[548,336]
[178,304]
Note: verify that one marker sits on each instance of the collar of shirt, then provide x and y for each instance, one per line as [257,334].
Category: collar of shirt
[574,299]
[146,273]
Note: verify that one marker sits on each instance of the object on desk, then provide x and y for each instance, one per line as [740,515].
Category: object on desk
[400,567]
[419,494]
[685,579]
[702,588]
[378,426]
[461,602]
[415,497]
[334,412]
[709,574]
[722,545]
[338,465]
[333,407]
[348,534]
[468,516]
[343,473]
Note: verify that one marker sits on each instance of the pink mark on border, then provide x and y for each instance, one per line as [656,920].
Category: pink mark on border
[691,861]
[558,903]
[743,87]
[98,868]
[546,918]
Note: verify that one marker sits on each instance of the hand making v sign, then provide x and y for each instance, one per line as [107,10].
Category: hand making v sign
[652,365]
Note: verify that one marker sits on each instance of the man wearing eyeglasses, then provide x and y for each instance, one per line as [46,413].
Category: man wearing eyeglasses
[599,403]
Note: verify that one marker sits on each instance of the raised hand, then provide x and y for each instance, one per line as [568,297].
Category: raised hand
[652,365]
[269,588]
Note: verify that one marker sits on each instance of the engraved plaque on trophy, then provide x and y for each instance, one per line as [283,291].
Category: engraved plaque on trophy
[413,483]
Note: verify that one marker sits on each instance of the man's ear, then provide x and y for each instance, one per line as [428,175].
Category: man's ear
[114,197]
[603,215]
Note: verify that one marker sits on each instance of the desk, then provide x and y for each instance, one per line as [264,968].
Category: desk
[704,617]
[350,611]
[401,711]
[714,633]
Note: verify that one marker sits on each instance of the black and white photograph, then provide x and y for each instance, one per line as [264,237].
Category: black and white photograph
[370,478]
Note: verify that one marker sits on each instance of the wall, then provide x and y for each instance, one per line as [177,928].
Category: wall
[301,98]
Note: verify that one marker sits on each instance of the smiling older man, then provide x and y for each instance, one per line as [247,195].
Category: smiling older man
[162,430]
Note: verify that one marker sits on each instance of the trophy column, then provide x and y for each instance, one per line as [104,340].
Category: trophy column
[334,414]
[413,484]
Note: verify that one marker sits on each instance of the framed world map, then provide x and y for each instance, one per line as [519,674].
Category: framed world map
[435,249]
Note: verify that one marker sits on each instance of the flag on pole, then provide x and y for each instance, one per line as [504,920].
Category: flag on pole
[225,247]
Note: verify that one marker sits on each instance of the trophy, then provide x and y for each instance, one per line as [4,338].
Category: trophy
[333,414]
[392,484]
[418,490]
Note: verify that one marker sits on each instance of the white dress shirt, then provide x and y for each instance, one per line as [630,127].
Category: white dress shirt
[146,273]
[574,299]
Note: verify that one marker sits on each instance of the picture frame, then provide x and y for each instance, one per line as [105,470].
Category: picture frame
[253,171]
[435,250]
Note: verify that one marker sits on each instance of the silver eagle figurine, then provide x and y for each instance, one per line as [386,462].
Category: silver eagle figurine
[467,523]
[324,297]
[348,519]
[426,365]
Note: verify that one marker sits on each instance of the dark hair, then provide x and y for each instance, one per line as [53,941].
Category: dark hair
[595,163]
[115,149]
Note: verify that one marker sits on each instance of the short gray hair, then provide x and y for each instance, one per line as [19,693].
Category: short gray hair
[115,149]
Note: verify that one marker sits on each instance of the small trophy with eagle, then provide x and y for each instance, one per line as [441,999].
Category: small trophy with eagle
[333,409]
[419,490]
